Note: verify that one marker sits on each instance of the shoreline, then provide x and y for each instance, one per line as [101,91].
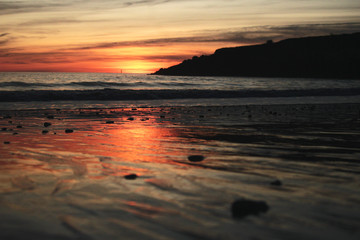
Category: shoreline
[117,94]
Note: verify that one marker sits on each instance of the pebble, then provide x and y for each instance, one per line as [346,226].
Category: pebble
[276,183]
[109,122]
[130,119]
[3,129]
[18,126]
[45,131]
[196,158]
[47,124]
[69,131]
[244,207]
[6,142]
[130,176]
[50,117]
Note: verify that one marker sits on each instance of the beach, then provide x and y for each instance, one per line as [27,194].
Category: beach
[175,172]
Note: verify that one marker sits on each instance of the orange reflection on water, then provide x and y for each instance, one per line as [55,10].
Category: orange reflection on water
[94,148]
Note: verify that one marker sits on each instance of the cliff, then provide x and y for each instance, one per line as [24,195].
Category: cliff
[333,56]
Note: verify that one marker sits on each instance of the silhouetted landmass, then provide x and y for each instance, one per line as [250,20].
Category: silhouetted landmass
[334,56]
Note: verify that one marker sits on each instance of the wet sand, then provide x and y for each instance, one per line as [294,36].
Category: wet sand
[127,173]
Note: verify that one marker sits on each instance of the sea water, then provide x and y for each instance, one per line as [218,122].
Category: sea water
[26,89]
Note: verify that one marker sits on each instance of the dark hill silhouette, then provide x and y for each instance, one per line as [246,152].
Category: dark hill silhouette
[334,56]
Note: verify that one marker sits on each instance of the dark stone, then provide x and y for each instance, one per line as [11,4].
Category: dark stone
[244,207]
[47,124]
[196,158]
[4,129]
[201,116]
[162,116]
[18,126]
[109,122]
[15,133]
[45,131]
[134,109]
[69,131]
[276,183]
[130,119]
[130,176]
[6,142]
[50,117]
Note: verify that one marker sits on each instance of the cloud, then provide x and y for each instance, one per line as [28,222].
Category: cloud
[3,41]
[21,6]
[54,57]
[25,6]
[244,36]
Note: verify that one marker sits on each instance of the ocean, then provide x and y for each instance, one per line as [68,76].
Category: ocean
[46,90]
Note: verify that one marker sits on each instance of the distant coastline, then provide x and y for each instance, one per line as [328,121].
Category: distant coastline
[333,56]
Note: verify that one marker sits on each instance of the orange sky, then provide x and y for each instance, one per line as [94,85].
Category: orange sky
[143,36]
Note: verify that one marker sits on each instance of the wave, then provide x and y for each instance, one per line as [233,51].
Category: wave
[84,84]
[24,84]
[116,94]
[92,84]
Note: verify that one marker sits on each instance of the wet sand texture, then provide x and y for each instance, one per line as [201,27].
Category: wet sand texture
[236,172]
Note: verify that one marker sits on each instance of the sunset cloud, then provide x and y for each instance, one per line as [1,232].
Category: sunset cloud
[251,35]
[116,33]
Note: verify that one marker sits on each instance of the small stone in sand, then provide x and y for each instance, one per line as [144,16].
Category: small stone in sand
[6,142]
[45,131]
[130,176]
[69,131]
[50,117]
[244,207]
[18,126]
[47,124]
[276,183]
[3,129]
[130,119]
[109,122]
[15,133]
[196,158]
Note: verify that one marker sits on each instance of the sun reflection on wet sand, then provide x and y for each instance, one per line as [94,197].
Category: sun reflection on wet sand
[127,172]
[97,146]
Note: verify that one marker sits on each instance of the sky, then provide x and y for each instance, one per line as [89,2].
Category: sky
[142,36]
